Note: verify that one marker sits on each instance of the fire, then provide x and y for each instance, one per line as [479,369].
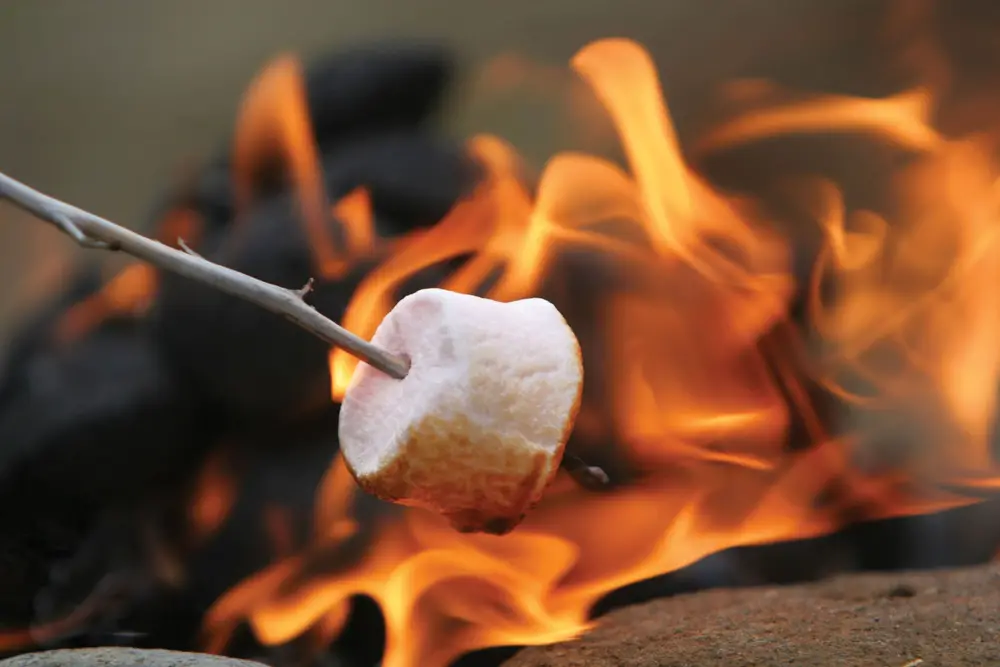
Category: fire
[355,210]
[131,291]
[704,371]
[274,126]
[213,497]
[274,118]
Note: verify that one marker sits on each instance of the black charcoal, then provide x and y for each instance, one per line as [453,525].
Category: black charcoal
[237,355]
[95,421]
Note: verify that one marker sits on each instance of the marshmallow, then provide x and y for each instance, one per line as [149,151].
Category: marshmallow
[477,428]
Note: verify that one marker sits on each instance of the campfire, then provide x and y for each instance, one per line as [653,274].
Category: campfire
[789,328]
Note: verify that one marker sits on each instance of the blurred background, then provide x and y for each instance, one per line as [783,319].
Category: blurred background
[107,102]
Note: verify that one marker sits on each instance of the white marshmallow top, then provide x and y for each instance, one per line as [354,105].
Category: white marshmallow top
[477,428]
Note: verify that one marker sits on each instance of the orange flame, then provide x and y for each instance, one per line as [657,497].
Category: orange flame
[274,118]
[354,210]
[130,292]
[213,498]
[274,122]
[704,369]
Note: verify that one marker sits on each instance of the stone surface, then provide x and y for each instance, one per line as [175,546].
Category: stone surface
[946,618]
[122,657]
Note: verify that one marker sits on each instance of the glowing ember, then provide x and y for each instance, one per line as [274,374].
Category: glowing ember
[704,369]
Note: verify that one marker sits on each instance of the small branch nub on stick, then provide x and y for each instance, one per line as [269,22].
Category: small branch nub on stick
[589,477]
[304,291]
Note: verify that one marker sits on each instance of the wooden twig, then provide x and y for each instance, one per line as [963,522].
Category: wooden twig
[91,231]
[589,477]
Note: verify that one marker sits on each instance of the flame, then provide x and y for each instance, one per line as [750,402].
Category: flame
[468,228]
[354,210]
[274,123]
[333,504]
[274,118]
[130,292]
[213,497]
[704,371]
[901,119]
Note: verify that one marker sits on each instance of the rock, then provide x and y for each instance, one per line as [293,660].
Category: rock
[88,425]
[368,109]
[123,657]
[376,87]
[943,618]
[414,179]
[237,355]
[217,341]
[364,92]
[96,421]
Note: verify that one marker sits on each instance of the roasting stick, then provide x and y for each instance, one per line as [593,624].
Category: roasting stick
[92,231]
[588,476]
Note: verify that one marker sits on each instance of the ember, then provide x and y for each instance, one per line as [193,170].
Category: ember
[782,352]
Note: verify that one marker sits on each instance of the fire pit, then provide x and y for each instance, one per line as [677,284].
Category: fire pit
[788,320]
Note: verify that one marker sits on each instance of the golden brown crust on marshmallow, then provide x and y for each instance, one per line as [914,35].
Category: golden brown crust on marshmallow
[481,482]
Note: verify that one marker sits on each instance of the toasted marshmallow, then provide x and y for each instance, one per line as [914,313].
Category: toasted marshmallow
[477,428]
